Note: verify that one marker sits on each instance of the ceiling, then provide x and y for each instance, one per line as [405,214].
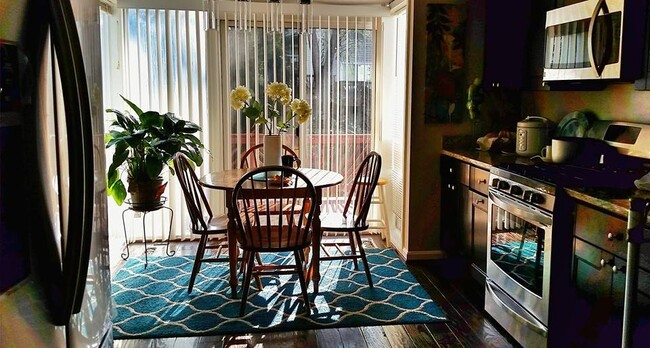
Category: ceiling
[339,2]
[352,2]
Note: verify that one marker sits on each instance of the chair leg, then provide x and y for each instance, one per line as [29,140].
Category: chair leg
[258,279]
[363,257]
[301,278]
[353,250]
[247,283]
[242,266]
[197,261]
[303,263]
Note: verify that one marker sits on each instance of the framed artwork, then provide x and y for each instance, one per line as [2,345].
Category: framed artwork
[445,85]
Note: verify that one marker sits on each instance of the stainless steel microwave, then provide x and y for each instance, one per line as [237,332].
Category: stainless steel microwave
[594,40]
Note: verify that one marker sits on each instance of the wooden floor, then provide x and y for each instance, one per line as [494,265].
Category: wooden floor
[468,325]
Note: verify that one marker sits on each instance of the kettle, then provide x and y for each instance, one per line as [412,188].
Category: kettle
[533,133]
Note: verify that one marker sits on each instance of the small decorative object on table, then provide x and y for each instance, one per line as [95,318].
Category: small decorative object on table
[271,116]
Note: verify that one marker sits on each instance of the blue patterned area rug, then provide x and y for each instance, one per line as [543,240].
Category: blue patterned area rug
[154,302]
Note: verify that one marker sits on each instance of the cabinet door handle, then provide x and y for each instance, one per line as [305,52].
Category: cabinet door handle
[483,181]
[618,269]
[480,201]
[604,263]
[617,236]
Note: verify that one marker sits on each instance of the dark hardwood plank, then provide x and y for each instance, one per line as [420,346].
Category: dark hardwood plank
[420,335]
[482,332]
[443,335]
[483,327]
[398,337]
[238,341]
[329,338]
[297,339]
[352,337]
[457,325]
[146,343]
[199,342]
[375,337]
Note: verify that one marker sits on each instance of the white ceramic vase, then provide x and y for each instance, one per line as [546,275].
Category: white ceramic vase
[272,150]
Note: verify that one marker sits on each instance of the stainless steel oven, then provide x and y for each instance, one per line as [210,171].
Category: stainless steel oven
[519,243]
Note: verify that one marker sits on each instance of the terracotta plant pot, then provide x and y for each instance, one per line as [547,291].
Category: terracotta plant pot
[146,194]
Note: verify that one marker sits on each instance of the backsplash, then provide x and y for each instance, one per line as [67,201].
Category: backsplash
[618,102]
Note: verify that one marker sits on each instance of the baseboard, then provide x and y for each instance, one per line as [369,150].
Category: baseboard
[410,255]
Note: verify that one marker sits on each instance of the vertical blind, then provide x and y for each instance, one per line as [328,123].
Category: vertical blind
[165,69]
[332,66]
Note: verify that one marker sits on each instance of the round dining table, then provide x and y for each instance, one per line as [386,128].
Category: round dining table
[227,179]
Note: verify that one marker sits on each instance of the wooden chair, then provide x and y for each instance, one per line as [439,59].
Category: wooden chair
[261,230]
[254,157]
[203,221]
[353,219]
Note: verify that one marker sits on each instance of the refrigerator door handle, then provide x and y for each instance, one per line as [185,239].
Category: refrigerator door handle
[81,171]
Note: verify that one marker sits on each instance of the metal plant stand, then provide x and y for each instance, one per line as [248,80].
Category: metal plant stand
[144,209]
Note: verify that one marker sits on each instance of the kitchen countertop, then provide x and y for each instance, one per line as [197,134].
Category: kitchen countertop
[614,201]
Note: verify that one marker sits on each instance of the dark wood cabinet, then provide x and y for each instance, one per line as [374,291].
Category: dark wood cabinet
[598,275]
[534,69]
[507,24]
[464,214]
[454,176]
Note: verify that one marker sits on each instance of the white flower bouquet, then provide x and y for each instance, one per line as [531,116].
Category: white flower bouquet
[279,95]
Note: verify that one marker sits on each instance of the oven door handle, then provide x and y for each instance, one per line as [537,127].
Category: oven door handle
[522,210]
[489,284]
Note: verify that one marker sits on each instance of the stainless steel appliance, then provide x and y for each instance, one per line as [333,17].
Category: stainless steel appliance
[519,242]
[53,218]
[595,39]
[522,209]
[533,133]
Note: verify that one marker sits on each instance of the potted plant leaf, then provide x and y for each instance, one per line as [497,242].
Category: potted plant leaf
[145,145]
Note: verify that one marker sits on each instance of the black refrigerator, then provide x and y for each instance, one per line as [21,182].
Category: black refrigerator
[54,258]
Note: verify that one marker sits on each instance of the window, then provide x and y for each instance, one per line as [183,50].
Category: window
[337,80]
[172,64]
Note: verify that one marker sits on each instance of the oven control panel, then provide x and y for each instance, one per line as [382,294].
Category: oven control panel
[529,191]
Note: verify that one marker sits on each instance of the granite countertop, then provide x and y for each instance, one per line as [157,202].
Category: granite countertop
[617,203]
[484,159]
[481,159]
[614,201]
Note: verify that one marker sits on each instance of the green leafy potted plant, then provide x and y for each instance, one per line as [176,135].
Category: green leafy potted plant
[144,145]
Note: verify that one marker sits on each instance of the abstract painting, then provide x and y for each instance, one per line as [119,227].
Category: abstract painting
[445,74]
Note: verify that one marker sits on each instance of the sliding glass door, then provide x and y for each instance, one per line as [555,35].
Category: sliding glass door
[331,66]
[171,63]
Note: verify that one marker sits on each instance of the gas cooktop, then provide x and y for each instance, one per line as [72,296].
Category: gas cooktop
[568,175]
[611,156]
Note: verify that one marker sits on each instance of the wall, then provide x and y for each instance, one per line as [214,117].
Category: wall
[390,120]
[424,141]
[617,102]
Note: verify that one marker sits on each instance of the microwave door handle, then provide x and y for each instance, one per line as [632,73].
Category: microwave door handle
[598,63]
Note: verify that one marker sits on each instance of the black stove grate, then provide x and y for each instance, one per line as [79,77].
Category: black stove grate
[567,175]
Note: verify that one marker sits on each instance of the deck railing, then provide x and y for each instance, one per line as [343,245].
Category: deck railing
[337,152]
